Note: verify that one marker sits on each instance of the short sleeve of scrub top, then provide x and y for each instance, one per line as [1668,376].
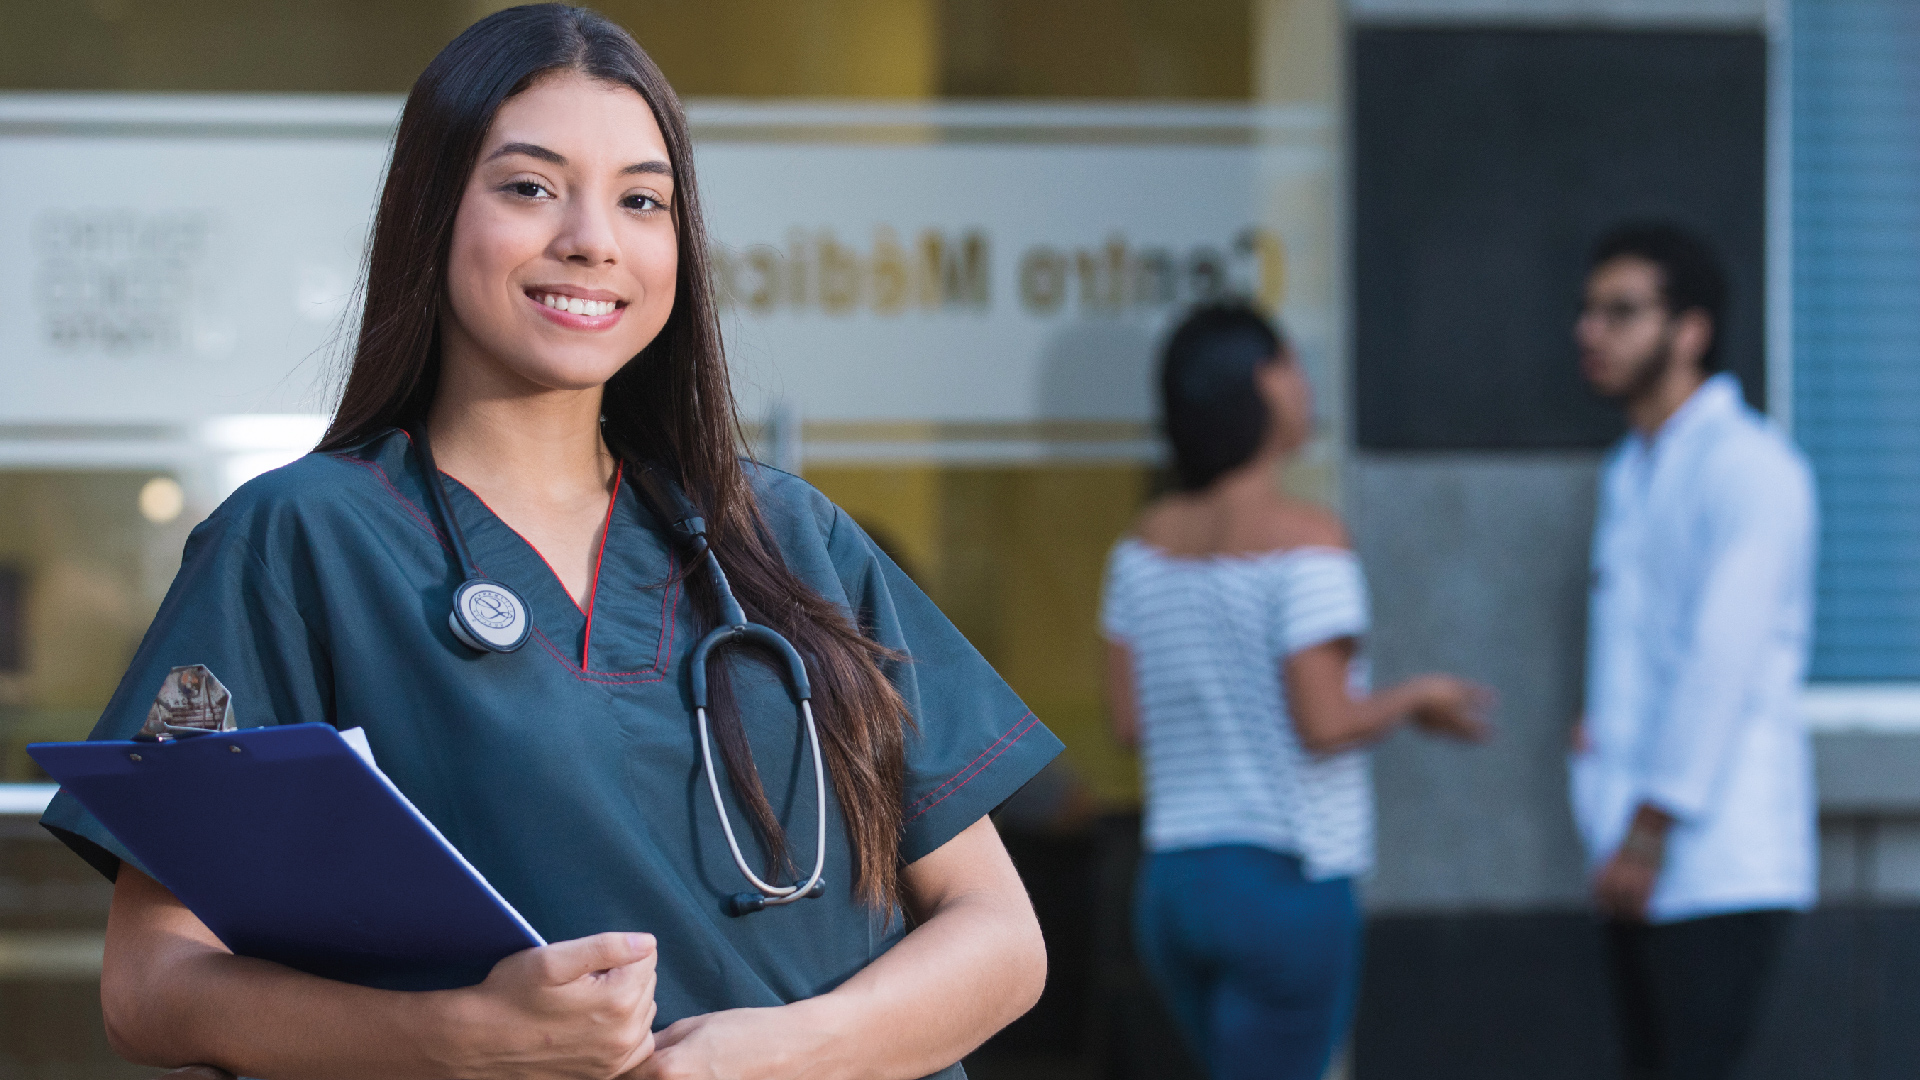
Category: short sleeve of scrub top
[569,772]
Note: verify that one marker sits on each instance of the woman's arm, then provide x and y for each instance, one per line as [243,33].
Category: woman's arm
[1328,718]
[173,995]
[973,964]
[1123,715]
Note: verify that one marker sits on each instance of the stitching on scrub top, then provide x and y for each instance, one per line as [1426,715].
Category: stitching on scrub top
[662,651]
[529,543]
[419,516]
[962,770]
[975,767]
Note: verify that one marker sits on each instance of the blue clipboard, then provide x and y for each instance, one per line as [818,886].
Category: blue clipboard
[292,848]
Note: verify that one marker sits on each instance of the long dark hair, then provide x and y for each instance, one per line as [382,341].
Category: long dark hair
[1211,410]
[671,404]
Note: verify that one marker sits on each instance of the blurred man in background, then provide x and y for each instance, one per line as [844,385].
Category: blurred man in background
[1692,777]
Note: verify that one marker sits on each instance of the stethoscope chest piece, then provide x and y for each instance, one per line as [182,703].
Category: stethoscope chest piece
[489,617]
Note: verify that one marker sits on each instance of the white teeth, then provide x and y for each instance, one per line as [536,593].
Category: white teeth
[576,306]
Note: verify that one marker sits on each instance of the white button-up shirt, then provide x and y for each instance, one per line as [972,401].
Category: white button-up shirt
[1697,644]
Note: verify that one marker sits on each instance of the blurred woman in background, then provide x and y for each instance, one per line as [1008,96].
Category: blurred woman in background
[1234,616]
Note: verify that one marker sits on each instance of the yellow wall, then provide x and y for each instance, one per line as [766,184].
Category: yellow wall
[789,48]
[731,48]
[1170,49]
[1014,555]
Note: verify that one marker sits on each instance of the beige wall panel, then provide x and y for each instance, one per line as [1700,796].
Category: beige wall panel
[94,571]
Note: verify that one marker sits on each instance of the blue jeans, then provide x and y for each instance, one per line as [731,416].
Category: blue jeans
[1259,965]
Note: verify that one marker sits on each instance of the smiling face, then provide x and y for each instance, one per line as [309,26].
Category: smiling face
[564,254]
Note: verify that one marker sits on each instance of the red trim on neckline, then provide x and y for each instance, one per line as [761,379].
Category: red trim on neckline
[557,579]
[593,590]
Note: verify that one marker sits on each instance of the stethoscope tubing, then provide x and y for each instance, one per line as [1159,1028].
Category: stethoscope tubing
[773,894]
[689,530]
[736,630]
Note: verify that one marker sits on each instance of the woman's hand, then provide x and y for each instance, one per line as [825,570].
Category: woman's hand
[582,1008]
[973,962]
[1328,718]
[172,994]
[1452,707]
[741,1044]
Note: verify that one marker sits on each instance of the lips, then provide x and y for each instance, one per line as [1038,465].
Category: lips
[577,309]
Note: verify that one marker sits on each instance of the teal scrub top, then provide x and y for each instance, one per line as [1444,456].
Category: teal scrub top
[569,772]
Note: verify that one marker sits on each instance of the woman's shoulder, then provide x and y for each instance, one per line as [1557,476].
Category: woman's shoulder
[332,485]
[1179,526]
[817,538]
[789,504]
[1296,524]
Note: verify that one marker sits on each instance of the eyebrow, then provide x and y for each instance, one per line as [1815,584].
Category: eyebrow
[534,150]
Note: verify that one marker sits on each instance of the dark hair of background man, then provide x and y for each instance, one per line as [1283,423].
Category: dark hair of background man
[1690,275]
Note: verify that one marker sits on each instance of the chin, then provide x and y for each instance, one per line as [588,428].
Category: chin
[570,374]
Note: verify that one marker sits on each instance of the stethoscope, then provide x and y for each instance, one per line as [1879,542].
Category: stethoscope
[488,616]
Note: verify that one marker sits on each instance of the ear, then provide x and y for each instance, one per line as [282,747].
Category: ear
[1693,332]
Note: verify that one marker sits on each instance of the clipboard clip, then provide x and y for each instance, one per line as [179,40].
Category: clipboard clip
[173,733]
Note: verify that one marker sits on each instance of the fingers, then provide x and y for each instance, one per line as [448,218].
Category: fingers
[675,1032]
[1623,891]
[1475,702]
[635,1063]
[565,961]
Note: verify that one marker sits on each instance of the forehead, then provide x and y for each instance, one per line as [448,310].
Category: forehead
[581,118]
[1626,274]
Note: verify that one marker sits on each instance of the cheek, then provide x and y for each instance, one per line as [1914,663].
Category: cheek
[655,262]
[658,267]
[481,257]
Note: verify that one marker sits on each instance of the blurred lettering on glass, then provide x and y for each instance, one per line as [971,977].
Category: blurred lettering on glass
[117,280]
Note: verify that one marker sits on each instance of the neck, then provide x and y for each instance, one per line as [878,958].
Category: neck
[492,430]
[1650,410]
[1248,485]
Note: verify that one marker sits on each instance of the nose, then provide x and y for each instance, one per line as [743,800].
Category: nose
[586,236]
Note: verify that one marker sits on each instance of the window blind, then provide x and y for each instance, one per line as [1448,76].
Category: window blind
[1856,323]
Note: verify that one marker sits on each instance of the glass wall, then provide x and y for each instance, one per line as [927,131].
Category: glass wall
[1006,525]
[82,570]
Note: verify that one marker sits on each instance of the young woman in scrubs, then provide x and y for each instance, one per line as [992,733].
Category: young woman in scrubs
[538,307]
[1234,617]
